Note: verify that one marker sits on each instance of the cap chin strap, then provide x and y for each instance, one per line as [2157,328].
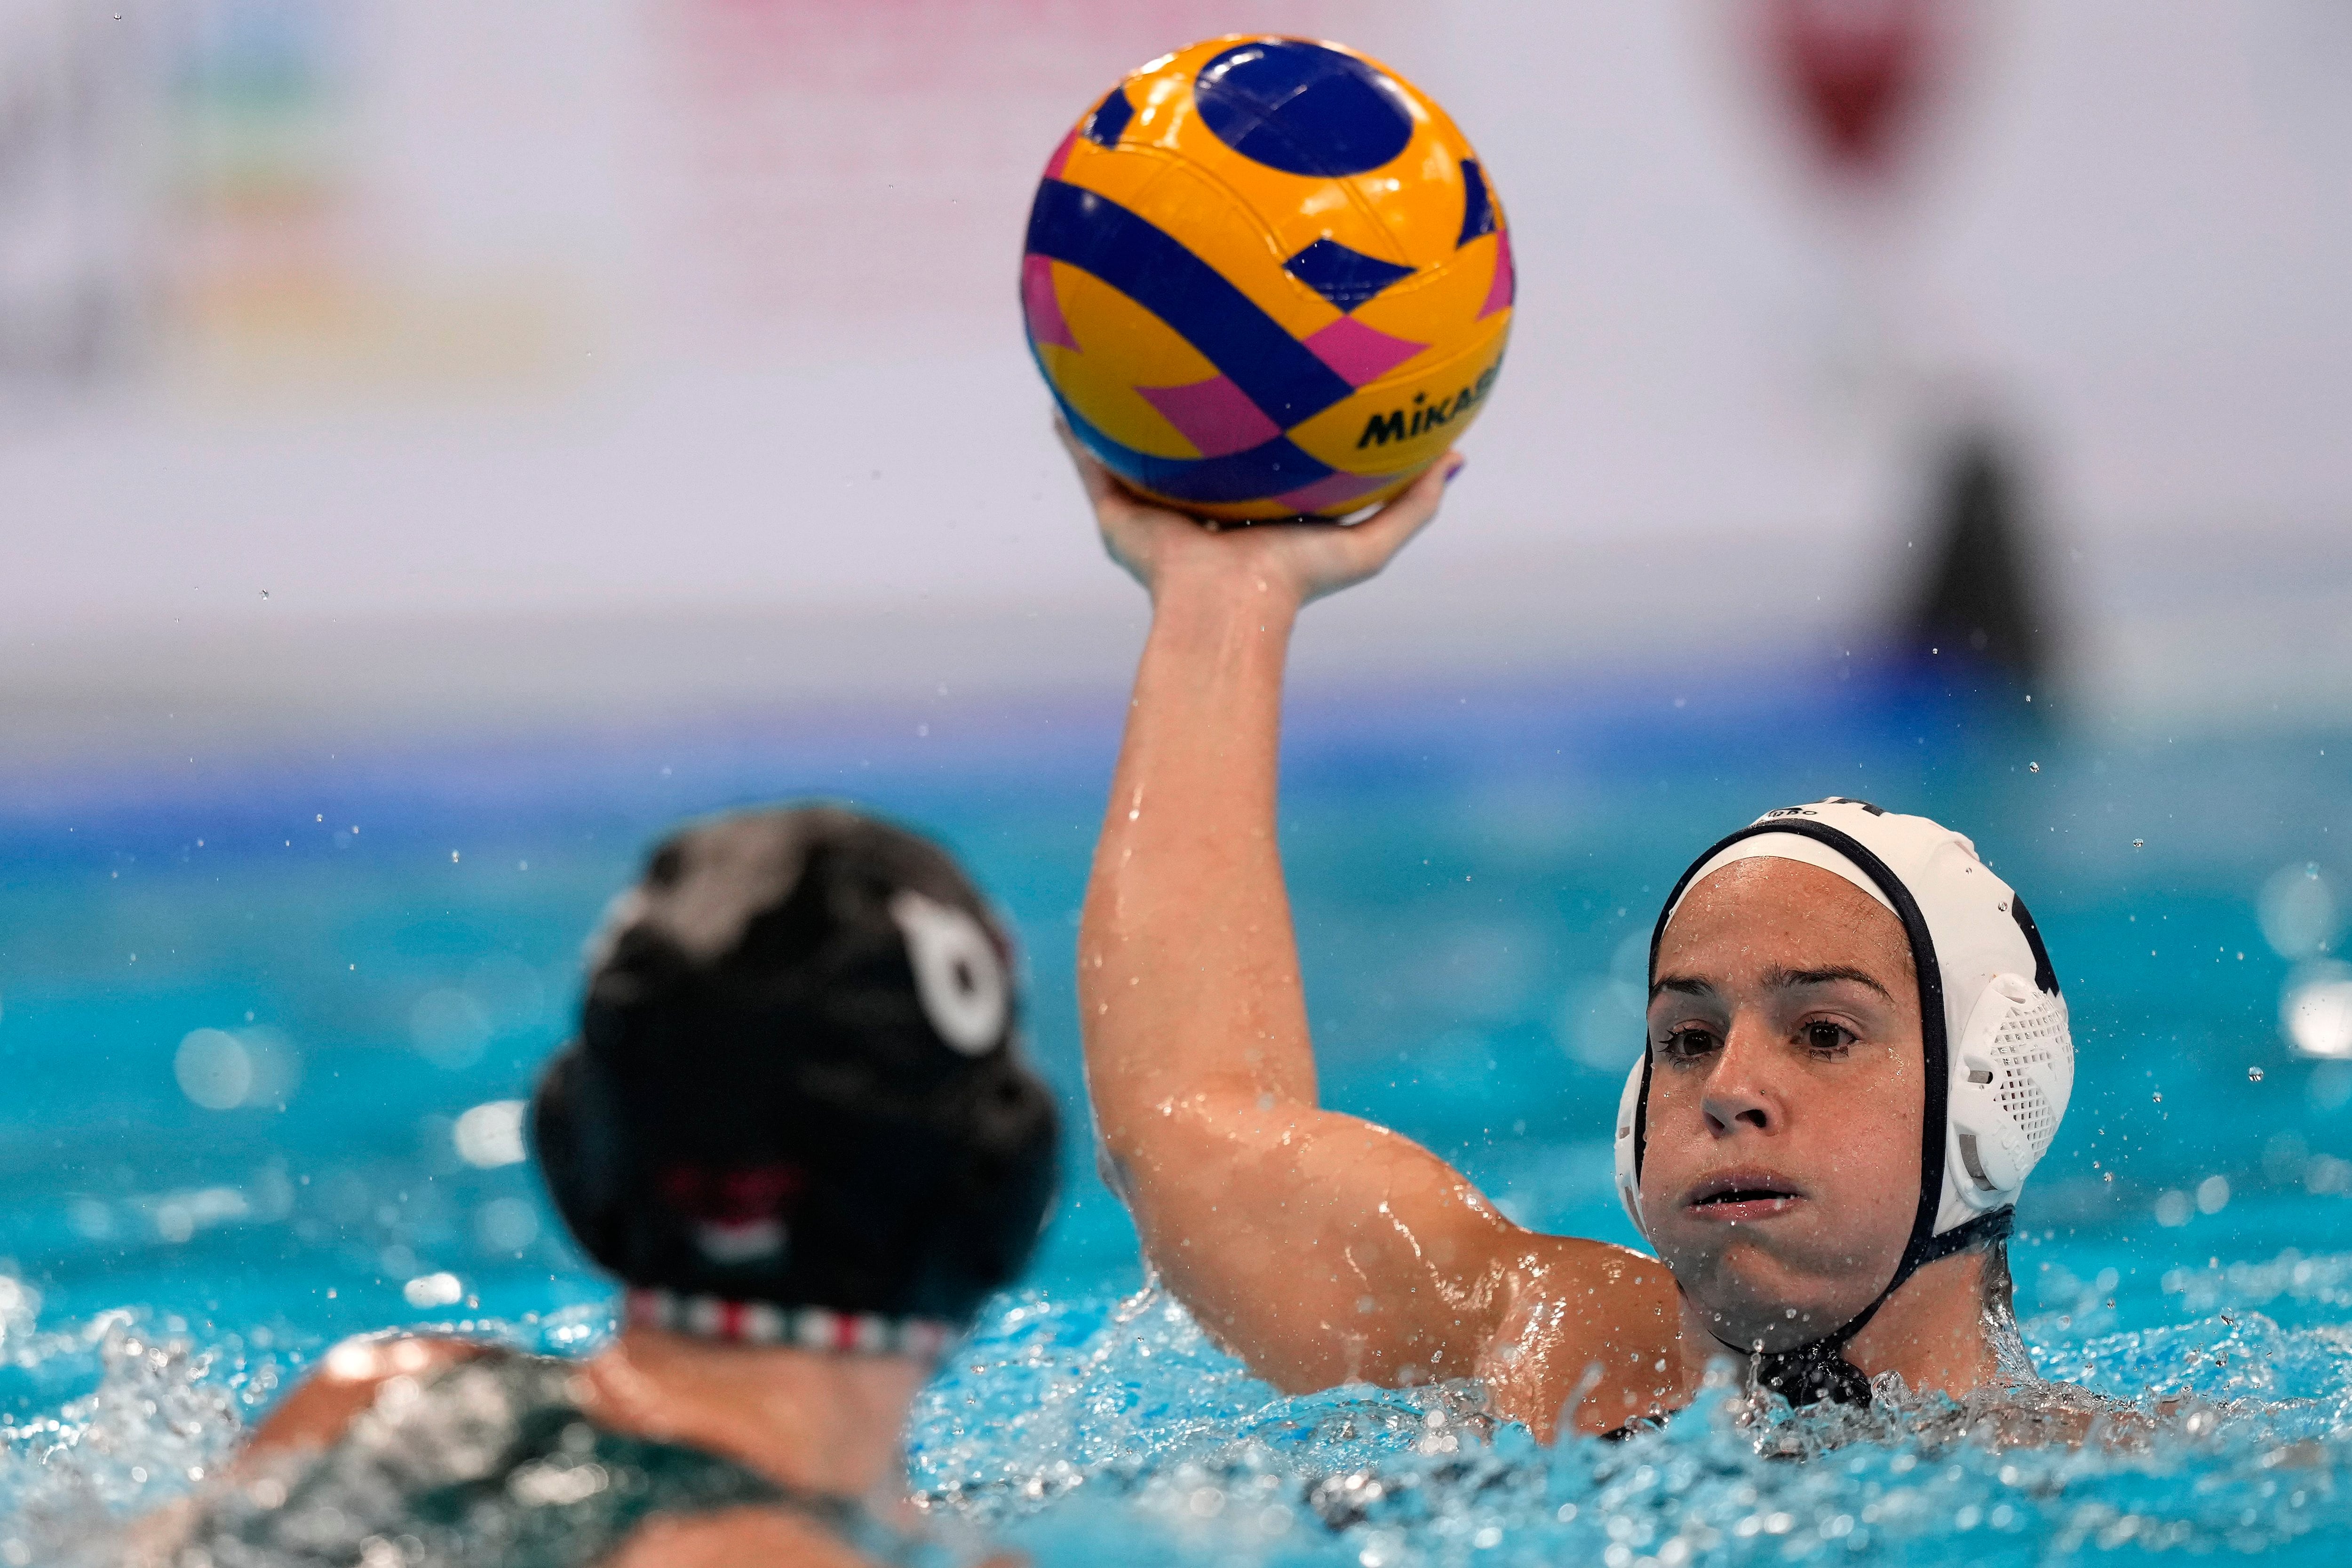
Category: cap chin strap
[794,1328]
[1817,1369]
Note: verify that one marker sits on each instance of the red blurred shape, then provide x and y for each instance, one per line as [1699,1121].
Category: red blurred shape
[732,1195]
[1856,68]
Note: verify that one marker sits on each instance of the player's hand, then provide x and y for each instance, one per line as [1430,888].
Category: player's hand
[1304,561]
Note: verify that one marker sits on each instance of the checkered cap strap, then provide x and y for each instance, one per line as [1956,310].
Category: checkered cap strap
[803,1328]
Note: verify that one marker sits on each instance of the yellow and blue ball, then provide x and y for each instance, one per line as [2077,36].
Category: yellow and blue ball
[1268,278]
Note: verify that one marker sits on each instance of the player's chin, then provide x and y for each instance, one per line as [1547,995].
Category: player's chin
[1773,1290]
[1788,1239]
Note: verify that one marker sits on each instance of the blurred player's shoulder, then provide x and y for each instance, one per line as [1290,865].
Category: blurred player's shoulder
[350,1380]
[309,1421]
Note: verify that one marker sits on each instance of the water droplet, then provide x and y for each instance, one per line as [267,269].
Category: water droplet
[453,856]
[2253,1075]
[2034,767]
[2140,843]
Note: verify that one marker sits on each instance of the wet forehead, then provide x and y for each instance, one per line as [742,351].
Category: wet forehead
[1755,917]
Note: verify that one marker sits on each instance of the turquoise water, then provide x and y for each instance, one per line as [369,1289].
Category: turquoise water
[348,957]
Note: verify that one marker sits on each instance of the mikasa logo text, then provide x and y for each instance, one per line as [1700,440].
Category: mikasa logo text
[1404,424]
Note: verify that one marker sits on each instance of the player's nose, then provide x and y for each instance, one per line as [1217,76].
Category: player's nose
[1742,1091]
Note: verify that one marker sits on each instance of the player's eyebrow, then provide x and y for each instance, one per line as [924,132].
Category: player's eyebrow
[1781,978]
[1682,984]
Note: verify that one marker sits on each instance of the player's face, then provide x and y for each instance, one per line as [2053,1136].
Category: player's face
[1781,1169]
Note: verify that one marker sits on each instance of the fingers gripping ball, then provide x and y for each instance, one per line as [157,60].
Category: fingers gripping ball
[1268,278]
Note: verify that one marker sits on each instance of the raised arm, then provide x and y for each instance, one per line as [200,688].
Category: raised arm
[1318,1247]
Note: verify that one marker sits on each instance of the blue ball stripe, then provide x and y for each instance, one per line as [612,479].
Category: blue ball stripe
[1268,469]
[1478,207]
[1151,266]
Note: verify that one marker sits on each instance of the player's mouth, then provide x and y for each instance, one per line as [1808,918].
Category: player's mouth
[1738,1196]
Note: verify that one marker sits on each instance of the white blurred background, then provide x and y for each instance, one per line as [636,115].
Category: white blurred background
[404,365]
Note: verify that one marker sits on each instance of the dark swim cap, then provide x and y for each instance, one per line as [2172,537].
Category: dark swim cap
[797,1111]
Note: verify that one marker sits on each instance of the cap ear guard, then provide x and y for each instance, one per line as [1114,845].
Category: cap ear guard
[959,977]
[2011,1077]
[1631,1105]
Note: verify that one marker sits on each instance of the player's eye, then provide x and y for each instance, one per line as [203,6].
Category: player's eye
[1687,1043]
[1828,1039]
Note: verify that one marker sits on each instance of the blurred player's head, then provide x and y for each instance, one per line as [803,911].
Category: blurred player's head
[797,1111]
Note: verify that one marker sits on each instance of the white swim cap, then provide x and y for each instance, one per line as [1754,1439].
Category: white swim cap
[1999,1061]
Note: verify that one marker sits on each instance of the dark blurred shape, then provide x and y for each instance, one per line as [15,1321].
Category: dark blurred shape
[1977,603]
[1856,68]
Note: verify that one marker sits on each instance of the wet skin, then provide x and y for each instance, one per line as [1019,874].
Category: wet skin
[1322,1248]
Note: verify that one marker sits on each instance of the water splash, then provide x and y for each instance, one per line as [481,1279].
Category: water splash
[1093,1430]
[159,1413]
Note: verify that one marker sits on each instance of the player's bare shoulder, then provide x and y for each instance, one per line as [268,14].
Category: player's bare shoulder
[1590,1339]
[351,1379]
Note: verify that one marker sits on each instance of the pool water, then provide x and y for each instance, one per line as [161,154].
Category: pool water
[262,1027]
